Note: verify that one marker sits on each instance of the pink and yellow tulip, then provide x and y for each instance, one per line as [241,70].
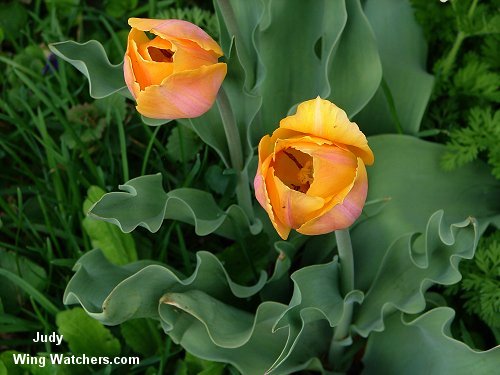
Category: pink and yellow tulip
[311,175]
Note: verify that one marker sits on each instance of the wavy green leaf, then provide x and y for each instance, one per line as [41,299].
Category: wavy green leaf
[143,202]
[400,102]
[411,265]
[113,294]
[118,247]
[90,59]
[407,171]
[206,313]
[425,346]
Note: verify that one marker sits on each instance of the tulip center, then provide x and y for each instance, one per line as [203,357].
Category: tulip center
[160,54]
[295,169]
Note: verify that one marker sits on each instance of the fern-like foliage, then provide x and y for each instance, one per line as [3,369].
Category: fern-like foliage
[481,135]
[201,17]
[463,41]
[480,286]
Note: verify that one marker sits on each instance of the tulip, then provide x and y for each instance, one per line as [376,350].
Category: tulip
[311,174]
[176,74]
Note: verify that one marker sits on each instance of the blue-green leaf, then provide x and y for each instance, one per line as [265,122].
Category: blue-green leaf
[143,202]
[401,101]
[407,172]
[411,265]
[355,70]
[90,59]
[425,346]
[118,247]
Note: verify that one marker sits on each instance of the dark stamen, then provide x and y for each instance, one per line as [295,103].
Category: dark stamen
[294,159]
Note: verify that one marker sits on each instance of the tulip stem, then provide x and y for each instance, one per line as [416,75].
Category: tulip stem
[346,261]
[234,145]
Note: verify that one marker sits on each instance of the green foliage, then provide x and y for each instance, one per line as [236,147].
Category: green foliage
[400,101]
[54,149]
[210,316]
[88,125]
[143,202]
[13,17]
[482,135]
[395,351]
[91,60]
[183,144]
[11,295]
[463,37]
[193,365]
[480,285]
[85,335]
[117,246]
[119,8]
[55,143]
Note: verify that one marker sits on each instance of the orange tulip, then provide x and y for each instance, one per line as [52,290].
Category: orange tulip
[175,74]
[311,175]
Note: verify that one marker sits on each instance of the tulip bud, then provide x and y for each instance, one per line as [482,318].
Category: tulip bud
[176,74]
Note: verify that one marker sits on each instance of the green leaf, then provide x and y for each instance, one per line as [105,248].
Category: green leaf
[238,22]
[117,246]
[407,170]
[142,336]
[85,335]
[279,45]
[153,121]
[416,262]
[355,69]
[336,58]
[401,102]
[136,289]
[206,312]
[183,144]
[90,59]
[316,300]
[209,315]
[424,346]
[145,203]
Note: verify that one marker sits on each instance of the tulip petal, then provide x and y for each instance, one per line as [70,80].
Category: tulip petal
[324,119]
[190,56]
[146,72]
[183,95]
[263,198]
[176,30]
[334,167]
[130,79]
[343,214]
[334,170]
[292,208]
